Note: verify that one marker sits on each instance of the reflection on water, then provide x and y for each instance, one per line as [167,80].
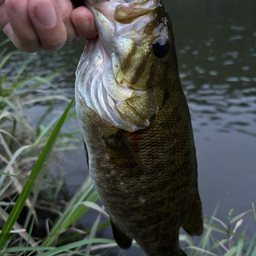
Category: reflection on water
[217,57]
[216,47]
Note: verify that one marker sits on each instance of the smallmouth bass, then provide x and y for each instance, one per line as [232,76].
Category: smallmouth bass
[136,126]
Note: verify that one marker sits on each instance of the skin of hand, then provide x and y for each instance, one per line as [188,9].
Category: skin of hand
[46,24]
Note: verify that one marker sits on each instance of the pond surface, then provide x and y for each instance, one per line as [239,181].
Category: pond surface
[216,47]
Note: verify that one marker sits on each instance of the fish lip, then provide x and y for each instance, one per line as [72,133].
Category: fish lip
[105,26]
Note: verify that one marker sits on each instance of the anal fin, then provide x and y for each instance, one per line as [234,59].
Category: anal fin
[194,222]
[122,239]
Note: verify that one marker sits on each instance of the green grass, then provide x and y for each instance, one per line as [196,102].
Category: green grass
[26,151]
[222,239]
[43,158]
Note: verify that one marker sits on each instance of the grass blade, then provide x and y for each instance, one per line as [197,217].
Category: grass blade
[254,252]
[205,239]
[11,162]
[250,246]
[64,248]
[55,251]
[23,234]
[32,177]
[221,230]
[4,42]
[254,212]
[201,250]
[93,233]
[95,207]
[6,58]
[72,213]
[240,245]
[24,65]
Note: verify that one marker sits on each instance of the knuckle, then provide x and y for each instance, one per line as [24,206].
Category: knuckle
[28,50]
[28,44]
[11,4]
[54,45]
[8,3]
[25,47]
[65,8]
[28,47]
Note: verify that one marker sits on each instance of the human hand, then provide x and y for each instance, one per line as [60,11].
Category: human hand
[46,24]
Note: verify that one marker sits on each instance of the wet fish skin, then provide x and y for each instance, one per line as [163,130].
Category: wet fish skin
[146,178]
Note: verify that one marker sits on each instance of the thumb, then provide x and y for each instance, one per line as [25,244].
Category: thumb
[83,22]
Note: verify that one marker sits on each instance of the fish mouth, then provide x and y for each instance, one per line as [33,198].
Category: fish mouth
[103,12]
[121,11]
[115,18]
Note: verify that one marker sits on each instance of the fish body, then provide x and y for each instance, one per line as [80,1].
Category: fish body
[136,126]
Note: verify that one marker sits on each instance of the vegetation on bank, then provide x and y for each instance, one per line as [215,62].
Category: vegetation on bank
[26,150]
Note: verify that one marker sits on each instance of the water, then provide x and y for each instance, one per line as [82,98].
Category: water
[216,47]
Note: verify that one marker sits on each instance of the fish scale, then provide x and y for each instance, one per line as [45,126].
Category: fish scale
[145,177]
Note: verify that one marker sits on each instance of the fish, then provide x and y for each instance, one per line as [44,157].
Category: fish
[136,126]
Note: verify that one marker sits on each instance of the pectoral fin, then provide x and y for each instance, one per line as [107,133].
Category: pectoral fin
[194,223]
[122,240]
[122,153]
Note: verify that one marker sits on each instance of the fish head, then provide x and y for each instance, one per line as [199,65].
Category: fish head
[135,35]
[137,50]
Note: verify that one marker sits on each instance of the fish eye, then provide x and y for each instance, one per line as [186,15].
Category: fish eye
[160,47]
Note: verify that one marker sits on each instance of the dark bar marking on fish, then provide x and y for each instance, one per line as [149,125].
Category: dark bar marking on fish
[126,64]
[139,71]
[154,72]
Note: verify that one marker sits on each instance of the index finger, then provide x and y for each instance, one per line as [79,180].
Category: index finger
[48,24]
[83,22]
[24,36]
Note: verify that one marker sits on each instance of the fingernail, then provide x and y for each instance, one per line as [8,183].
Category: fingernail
[8,30]
[45,13]
[20,8]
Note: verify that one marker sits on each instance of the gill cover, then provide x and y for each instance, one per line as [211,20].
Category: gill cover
[121,75]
